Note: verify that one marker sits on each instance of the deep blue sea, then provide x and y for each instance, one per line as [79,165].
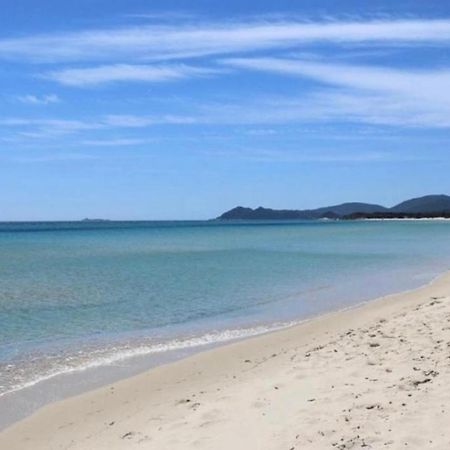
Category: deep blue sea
[79,295]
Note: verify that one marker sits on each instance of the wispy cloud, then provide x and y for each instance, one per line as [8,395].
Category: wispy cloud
[53,157]
[261,132]
[118,142]
[39,100]
[60,124]
[424,83]
[30,128]
[343,93]
[142,121]
[166,16]
[48,128]
[207,38]
[299,156]
[126,72]
[367,93]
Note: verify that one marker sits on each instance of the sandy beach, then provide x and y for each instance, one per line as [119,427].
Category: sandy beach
[375,376]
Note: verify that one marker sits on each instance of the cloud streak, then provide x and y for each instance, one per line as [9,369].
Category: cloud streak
[259,155]
[39,100]
[192,40]
[143,121]
[52,128]
[54,157]
[118,142]
[431,84]
[370,94]
[373,95]
[126,72]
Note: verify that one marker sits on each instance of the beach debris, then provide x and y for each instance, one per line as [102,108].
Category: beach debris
[418,382]
[128,435]
[374,406]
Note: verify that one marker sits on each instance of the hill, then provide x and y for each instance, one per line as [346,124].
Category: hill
[427,204]
[432,205]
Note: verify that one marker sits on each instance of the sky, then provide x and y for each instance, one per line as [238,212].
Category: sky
[131,109]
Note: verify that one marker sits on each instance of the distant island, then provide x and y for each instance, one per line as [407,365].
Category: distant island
[429,206]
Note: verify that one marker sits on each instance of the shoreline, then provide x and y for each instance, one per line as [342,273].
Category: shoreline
[25,400]
[194,384]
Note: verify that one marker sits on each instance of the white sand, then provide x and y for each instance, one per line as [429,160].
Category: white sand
[374,377]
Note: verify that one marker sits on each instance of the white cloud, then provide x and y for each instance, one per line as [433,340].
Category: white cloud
[135,121]
[48,128]
[125,72]
[118,142]
[27,128]
[370,94]
[432,84]
[166,16]
[39,100]
[188,40]
[343,93]
[53,157]
[379,109]
[261,132]
[60,124]
[301,156]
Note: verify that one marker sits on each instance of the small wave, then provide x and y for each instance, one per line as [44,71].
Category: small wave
[116,355]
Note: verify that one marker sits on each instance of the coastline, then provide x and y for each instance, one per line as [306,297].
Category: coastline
[274,386]
[410,219]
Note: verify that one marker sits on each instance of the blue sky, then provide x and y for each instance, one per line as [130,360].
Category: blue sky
[178,109]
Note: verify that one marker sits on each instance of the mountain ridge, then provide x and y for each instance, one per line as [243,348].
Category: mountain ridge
[421,206]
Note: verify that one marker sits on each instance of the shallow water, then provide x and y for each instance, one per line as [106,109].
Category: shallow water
[83,295]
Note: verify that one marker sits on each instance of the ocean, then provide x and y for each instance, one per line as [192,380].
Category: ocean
[96,301]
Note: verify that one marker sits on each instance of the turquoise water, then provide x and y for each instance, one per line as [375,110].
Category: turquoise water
[80,295]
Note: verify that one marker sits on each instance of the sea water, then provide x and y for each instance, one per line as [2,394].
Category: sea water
[75,296]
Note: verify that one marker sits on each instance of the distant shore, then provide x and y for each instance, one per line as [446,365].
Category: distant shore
[376,376]
[429,206]
[413,219]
